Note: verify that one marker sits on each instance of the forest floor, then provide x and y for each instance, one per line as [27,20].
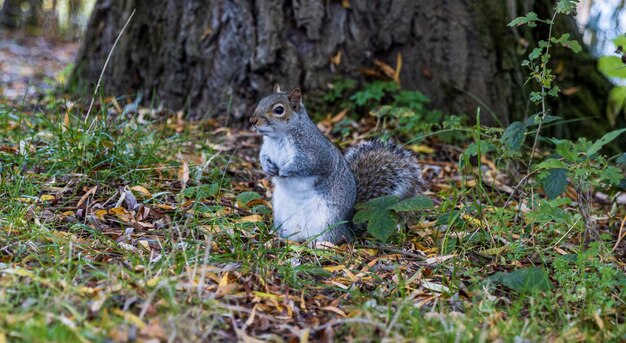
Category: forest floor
[134,224]
[31,65]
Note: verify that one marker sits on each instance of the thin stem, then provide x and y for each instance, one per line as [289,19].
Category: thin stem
[543,96]
[106,62]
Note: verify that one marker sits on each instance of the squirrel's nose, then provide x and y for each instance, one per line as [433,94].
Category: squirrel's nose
[253,120]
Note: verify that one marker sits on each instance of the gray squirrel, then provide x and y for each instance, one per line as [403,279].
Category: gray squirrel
[315,185]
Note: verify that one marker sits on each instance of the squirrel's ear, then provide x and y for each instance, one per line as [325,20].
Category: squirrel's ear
[276,88]
[295,98]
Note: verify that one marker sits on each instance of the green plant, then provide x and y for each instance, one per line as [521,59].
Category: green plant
[382,214]
[615,67]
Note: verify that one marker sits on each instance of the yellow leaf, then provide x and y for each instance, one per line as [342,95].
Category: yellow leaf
[66,120]
[20,272]
[420,148]
[396,74]
[334,309]
[304,335]
[153,282]
[335,268]
[472,220]
[336,59]
[100,214]
[183,172]
[144,244]
[46,197]
[129,317]
[345,3]
[438,259]
[223,281]
[120,213]
[598,320]
[493,251]
[251,219]
[263,295]
[142,190]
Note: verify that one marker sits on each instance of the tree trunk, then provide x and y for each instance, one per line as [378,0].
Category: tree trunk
[213,56]
[10,14]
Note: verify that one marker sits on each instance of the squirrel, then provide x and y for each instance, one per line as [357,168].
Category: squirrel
[315,185]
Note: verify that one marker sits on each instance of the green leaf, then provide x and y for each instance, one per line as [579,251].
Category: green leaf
[381,225]
[529,19]
[551,163]
[616,105]
[555,183]
[417,203]
[622,159]
[525,279]
[383,202]
[513,136]
[606,139]
[565,148]
[485,147]
[245,197]
[612,66]
[568,43]
[566,6]
[535,96]
[202,192]
[362,216]
[535,53]
[554,91]
[535,119]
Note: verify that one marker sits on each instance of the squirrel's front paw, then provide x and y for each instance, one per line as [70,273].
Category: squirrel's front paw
[268,166]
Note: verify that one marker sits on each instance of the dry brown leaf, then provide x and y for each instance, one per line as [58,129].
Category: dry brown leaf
[335,60]
[142,190]
[251,219]
[335,309]
[388,70]
[339,116]
[396,74]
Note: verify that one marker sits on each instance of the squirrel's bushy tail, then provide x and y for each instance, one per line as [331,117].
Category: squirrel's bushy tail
[384,168]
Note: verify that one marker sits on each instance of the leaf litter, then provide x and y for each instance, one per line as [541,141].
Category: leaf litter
[189,252]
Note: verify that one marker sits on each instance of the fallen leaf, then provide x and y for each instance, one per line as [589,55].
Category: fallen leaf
[254,218]
[142,190]
[420,148]
[46,197]
[435,287]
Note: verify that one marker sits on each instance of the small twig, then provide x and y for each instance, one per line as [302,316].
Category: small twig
[620,235]
[517,187]
[106,62]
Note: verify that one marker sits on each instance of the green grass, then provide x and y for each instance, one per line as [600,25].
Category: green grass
[198,259]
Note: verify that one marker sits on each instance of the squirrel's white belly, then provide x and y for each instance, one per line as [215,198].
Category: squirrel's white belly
[299,212]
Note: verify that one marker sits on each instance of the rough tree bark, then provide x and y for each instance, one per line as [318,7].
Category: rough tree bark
[214,55]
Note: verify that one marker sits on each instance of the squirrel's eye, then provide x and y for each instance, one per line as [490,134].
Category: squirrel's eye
[280,109]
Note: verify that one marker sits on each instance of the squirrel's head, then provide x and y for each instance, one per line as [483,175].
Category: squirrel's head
[273,113]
